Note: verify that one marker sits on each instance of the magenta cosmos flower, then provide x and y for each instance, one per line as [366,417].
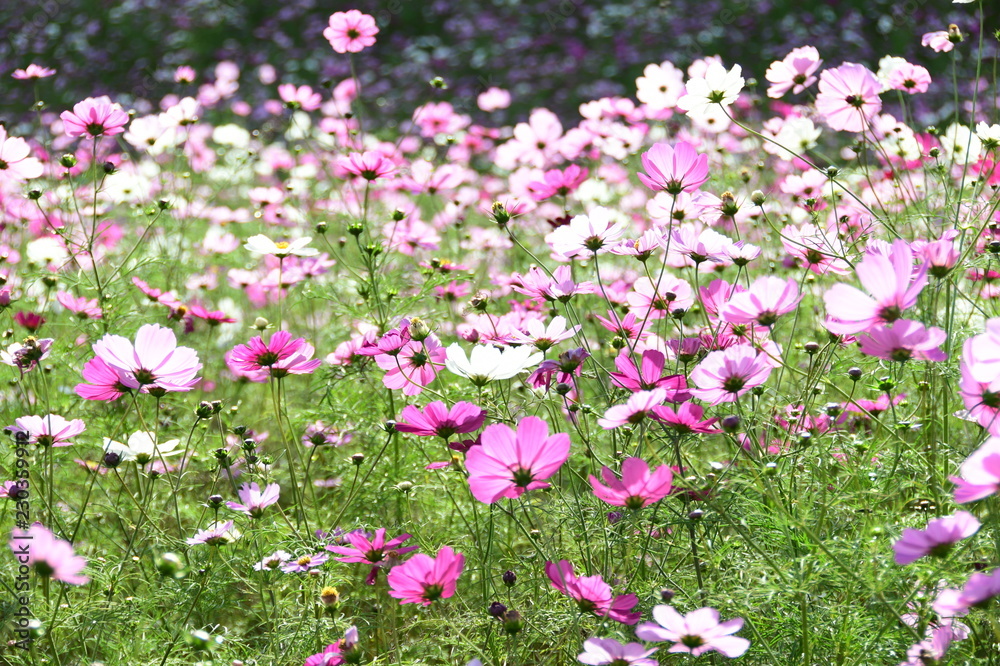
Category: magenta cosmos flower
[894,287]
[373,550]
[648,375]
[350,31]
[424,579]
[507,463]
[978,590]
[674,169]
[592,594]
[848,97]
[437,419]
[370,165]
[980,473]
[937,540]
[637,489]
[50,557]
[51,430]
[723,376]
[281,355]
[94,117]
[609,652]
[253,501]
[154,365]
[696,633]
[903,340]
[767,299]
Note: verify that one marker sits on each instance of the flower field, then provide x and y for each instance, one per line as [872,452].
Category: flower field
[707,372]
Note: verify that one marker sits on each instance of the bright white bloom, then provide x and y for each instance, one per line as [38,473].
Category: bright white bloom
[989,135]
[487,363]
[960,145]
[714,86]
[185,112]
[47,250]
[797,134]
[261,244]
[586,235]
[660,86]
[543,337]
[142,447]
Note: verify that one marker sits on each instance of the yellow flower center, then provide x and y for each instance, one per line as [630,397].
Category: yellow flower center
[304,560]
[281,245]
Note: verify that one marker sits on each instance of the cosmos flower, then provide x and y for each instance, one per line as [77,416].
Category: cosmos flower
[49,556]
[696,633]
[424,579]
[509,463]
[350,31]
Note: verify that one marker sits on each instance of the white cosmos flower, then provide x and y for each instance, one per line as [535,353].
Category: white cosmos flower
[142,447]
[261,244]
[487,363]
[988,134]
[960,145]
[715,86]
[586,235]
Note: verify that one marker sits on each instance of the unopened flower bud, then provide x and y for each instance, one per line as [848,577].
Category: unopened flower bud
[321,227]
[729,207]
[68,161]
[810,348]
[496,609]
[509,578]
[500,214]
[169,565]
[329,596]
[261,324]
[855,373]
[666,594]
[112,459]
[757,198]
[439,83]
[109,168]
[513,623]
[204,410]
[697,514]
[357,459]
[419,330]
[731,423]
[35,195]
[215,500]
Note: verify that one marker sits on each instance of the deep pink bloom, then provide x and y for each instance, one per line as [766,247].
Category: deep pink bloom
[767,299]
[103,382]
[978,590]
[413,366]
[373,550]
[424,579]
[330,656]
[674,169]
[82,307]
[51,430]
[686,418]
[370,165]
[649,375]
[592,594]
[213,317]
[902,341]
[29,320]
[48,556]
[979,474]
[281,355]
[637,489]
[696,633]
[609,652]
[94,117]
[438,420]
[937,540]
[350,31]
[794,73]
[894,287]
[639,405]
[848,97]
[557,183]
[253,501]
[155,364]
[560,287]
[723,376]
[939,40]
[932,649]
[508,463]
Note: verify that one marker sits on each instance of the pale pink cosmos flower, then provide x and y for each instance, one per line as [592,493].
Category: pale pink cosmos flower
[509,463]
[304,563]
[933,649]
[16,162]
[216,534]
[49,556]
[438,420]
[414,366]
[637,488]
[848,97]
[350,31]
[154,364]
[592,594]
[639,406]
[609,652]
[909,78]
[686,418]
[535,332]
[696,633]
[370,165]
[655,301]
[937,540]
[903,340]
[939,40]
[723,376]
[184,74]
[253,500]
[979,475]
[51,430]
[795,72]
[424,579]
[33,71]
[303,97]
[94,117]
[560,286]
[674,169]
[894,287]
[586,235]
[493,98]
[82,307]
[557,182]
[767,299]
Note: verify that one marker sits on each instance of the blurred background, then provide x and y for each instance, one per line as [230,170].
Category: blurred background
[553,53]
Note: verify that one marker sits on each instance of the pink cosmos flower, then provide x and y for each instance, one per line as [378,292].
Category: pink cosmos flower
[937,540]
[848,97]
[49,556]
[330,656]
[424,579]
[414,366]
[932,649]
[794,73]
[492,99]
[910,79]
[507,463]
[979,474]
[370,165]
[609,652]
[94,117]
[33,71]
[655,300]
[281,355]
[350,31]
[253,501]
[639,405]
[16,162]
[304,563]
[215,534]
[154,364]
[559,287]
[543,337]
[103,382]
[51,430]
[557,183]
[892,283]
[438,420]
[82,307]
[978,590]
[902,341]
[675,169]
[212,317]
[185,74]
[376,551]
[272,561]
[299,97]
[939,40]
[696,633]
[723,376]
[637,489]
[686,418]
[767,299]
[649,375]
[592,594]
